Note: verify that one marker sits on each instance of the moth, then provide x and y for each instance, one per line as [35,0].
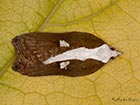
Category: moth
[70,54]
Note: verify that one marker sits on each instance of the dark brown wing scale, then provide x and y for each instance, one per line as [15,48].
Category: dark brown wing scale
[34,48]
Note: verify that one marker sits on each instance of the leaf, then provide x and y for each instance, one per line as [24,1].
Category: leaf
[117,22]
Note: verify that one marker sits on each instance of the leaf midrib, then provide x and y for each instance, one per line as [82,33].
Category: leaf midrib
[50,15]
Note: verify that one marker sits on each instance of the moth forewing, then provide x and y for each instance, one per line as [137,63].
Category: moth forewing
[78,53]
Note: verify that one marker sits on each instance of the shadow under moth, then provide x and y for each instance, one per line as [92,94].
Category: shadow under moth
[69,54]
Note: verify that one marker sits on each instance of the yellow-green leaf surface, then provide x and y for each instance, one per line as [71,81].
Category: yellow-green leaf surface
[117,22]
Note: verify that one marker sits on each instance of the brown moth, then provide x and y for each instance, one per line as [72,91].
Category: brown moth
[69,54]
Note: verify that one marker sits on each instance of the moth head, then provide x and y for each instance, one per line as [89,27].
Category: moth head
[17,43]
[18,66]
[16,40]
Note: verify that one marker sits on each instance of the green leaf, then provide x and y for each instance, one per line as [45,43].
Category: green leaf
[117,22]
